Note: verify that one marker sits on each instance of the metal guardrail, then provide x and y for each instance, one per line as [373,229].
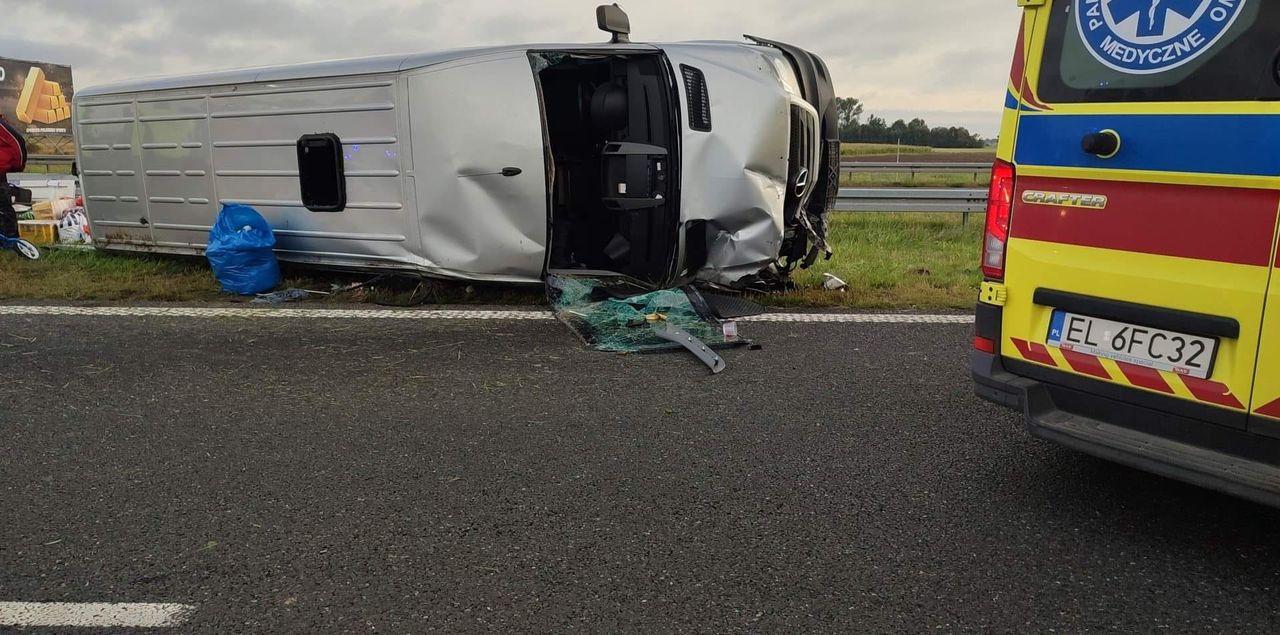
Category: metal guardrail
[46,159]
[916,199]
[50,164]
[923,168]
[944,200]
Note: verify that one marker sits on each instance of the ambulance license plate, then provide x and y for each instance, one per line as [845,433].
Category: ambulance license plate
[1140,345]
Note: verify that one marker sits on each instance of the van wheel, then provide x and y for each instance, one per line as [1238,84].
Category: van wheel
[27,250]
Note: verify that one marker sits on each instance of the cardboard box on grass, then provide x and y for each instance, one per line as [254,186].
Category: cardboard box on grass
[38,232]
[52,210]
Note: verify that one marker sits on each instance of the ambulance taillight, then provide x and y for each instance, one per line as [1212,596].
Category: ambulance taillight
[999,209]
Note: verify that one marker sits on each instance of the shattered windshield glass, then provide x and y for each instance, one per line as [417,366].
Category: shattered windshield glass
[617,315]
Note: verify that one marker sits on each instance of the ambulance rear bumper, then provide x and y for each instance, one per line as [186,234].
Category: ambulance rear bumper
[1075,413]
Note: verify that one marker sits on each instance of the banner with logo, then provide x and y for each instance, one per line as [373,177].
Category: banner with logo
[36,98]
[1144,37]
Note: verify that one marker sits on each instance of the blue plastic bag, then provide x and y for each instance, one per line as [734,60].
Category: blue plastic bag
[240,251]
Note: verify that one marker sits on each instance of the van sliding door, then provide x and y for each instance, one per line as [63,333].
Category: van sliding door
[111,172]
[479,170]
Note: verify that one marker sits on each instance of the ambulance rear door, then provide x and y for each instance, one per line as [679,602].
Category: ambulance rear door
[1143,229]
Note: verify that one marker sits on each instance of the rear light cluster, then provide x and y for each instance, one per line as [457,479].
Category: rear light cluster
[999,210]
[984,344]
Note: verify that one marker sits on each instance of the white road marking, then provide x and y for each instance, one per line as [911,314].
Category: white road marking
[93,614]
[219,312]
[440,314]
[860,318]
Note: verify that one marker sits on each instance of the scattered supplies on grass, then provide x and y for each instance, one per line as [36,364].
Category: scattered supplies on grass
[54,209]
[831,283]
[38,232]
[73,228]
[618,315]
[240,251]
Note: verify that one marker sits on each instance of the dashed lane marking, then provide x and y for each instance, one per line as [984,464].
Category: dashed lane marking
[93,614]
[441,314]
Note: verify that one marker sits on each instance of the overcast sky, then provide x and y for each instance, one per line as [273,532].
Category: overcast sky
[944,60]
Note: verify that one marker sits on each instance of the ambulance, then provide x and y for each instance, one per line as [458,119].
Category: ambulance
[1130,307]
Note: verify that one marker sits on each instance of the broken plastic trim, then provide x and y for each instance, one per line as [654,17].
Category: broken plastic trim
[621,315]
[700,350]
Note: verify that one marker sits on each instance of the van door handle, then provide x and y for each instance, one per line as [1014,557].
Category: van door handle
[1103,144]
[504,172]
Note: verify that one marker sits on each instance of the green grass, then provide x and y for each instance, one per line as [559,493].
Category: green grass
[896,262]
[90,275]
[872,149]
[48,168]
[97,276]
[891,261]
[866,149]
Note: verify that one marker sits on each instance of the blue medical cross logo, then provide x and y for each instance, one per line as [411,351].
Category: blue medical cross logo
[1153,13]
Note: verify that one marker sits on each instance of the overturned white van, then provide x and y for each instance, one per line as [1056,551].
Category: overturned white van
[714,161]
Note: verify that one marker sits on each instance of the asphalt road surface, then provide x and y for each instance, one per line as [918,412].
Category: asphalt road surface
[410,476]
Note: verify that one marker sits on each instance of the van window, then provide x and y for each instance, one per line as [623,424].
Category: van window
[321,174]
[1161,50]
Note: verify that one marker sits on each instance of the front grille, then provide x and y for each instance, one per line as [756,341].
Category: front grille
[827,183]
[695,88]
[803,158]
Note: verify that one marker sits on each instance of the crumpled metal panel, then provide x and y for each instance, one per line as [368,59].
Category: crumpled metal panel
[735,176]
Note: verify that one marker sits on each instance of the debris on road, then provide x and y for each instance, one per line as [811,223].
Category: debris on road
[618,315]
[291,294]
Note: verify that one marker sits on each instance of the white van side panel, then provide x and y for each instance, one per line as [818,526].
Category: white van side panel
[158,165]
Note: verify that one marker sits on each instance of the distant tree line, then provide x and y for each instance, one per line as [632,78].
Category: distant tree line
[913,133]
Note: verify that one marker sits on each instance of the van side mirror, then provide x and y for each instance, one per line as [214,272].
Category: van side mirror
[612,19]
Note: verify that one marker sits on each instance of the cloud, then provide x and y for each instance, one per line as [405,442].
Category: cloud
[898,57]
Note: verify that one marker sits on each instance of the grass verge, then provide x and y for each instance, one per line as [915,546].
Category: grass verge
[95,276]
[867,149]
[47,168]
[896,262]
[891,261]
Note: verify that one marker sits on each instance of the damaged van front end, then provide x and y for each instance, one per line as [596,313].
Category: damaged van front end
[705,161]
[762,171]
